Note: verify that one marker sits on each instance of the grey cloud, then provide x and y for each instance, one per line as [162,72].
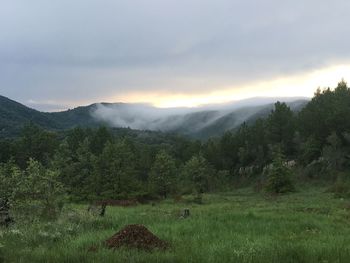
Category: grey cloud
[90,50]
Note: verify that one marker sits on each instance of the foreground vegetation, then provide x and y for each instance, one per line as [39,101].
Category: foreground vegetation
[45,177]
[240,226]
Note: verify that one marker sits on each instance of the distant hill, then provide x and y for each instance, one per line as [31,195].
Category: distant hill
[201,123]
[13,116]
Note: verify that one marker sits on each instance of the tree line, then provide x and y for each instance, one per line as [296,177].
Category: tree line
[96,164]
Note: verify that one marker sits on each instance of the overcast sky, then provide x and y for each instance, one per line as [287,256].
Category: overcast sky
[62,53]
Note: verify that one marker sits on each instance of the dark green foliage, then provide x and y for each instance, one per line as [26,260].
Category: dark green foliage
[163,175]
[82,170]
[199,125]
[7,150]
[327,112]
[64,162]
[13,116]
[123,169]
[279,176]
[115,171]
[99,139]
[75,138]
[34,192]
[36,143]
[198,171]
[281,127]
[310,151]
[104,163]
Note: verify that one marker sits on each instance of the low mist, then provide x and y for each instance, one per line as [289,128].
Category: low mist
[187,120]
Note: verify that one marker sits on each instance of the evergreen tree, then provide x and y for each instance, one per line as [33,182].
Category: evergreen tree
[310,150]
[327,112]
[36,143]
[7,150]
[75,138]
[162,177]
[99,139]
[281,127]
[82,170]
[115,173]
[198,171]
[279,175]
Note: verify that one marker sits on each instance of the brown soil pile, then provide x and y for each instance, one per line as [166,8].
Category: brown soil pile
[136,236]
[124,203]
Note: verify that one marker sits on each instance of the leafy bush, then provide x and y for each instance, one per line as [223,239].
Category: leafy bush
[162,176]
[35,192]
[198,171]
[279,176]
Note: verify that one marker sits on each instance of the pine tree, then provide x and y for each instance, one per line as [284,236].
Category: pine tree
[162,176]
[279,176]
[198,171]
[281,127]
[114,172]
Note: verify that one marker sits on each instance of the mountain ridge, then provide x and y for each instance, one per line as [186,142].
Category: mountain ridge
[201,122]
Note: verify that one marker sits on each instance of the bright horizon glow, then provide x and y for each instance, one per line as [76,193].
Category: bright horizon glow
[300,85]
[179,53]
[297,85]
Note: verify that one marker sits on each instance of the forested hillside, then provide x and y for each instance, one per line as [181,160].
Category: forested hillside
[102,163]
[14,116]
[201,123]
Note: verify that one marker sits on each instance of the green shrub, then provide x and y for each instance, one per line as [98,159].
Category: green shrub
[35,192]
[279,179]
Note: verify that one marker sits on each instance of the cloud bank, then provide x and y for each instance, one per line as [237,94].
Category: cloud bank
[82,51]
[147,117]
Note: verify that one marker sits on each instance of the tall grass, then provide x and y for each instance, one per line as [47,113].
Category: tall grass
[241,226]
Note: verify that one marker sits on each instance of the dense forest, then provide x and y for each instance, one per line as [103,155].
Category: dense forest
[88,164]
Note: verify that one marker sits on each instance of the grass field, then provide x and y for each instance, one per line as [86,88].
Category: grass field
[241,226]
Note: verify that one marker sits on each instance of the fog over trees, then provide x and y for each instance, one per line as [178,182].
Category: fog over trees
[98,164]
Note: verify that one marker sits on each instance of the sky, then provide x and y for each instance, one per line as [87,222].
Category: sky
[56,55]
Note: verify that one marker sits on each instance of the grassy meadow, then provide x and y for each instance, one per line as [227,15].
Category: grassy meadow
[310,225]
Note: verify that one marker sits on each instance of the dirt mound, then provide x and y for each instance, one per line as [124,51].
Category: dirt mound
[136,236]
[124,203]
